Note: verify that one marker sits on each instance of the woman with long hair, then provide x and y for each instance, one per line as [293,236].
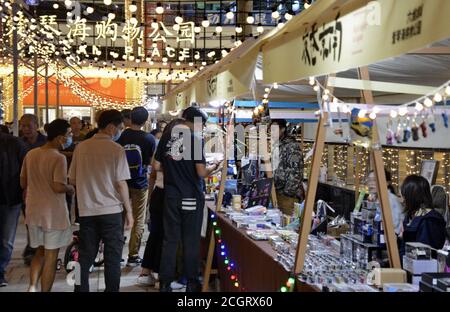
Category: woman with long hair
[422,222]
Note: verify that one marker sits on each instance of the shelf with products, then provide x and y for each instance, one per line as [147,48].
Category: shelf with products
[399,161]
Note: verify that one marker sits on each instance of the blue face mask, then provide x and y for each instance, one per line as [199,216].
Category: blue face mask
[68,143]
[117,135]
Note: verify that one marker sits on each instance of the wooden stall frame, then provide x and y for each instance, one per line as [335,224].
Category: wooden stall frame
[382,189]
[305,226]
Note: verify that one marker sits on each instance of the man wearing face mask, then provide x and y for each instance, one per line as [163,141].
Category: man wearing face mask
[180,155]
[44,177]
[99,170]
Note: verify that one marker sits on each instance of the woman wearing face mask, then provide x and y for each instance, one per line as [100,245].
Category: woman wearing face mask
[44,176]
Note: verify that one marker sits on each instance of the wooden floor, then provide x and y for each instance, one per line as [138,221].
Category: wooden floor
[17,273]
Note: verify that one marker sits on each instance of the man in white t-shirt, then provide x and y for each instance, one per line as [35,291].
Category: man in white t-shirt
[99,170]
[44,177]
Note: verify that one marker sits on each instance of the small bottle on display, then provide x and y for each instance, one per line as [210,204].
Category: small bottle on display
[379,228]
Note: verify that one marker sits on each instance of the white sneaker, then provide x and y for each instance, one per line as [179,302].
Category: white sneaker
[177,286]
[146,280]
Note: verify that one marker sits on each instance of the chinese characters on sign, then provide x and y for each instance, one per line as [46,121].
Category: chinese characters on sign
[414,27]
[86,38]
[323,43]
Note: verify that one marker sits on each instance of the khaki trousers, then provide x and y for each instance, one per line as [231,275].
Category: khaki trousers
[139,206]
[286,204]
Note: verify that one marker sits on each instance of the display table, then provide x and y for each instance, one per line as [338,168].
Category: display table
[254,260]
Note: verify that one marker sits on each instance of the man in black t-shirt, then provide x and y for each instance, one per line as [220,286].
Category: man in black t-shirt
[12,153]
[139,147]
[180,156]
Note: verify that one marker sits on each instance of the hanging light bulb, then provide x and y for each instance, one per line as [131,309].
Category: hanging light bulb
[437,97]
[238,29]
[267,90]
[372,115]
[133,7]
[176,27]
[402,111]
[280,24]
[107,2]
[289,14]
[205,22]
[197,29]
[447,90]
[312,81]
[134,20]
[275,85]
[229,15]
[275,14]
[90,10]
[111,16]
[159,8]
[55,6]
[68,3]
[393,113]
[428,102]
[154,24]
[250,19]
[362,113]
[219,29]
[179,19]
[419,106]
[316,88]
[260,28]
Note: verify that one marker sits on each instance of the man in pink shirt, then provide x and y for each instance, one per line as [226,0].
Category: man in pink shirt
[44,176]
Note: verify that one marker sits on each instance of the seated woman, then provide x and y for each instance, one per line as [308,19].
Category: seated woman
[422,223]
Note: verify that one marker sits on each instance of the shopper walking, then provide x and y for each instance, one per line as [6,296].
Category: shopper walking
[99,170]
[181,157]
[29,125]
[288,169]
[153,249]
[139,147]
[77,137]
[44,176]
[12,153]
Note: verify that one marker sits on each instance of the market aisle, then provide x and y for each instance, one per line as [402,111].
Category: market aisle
[18,273]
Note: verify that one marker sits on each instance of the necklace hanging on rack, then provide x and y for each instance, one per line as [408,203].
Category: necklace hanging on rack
[444,113]
[432,121]
[390,133]
[398,134]
[407,130]
[415,129]
[423,126]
